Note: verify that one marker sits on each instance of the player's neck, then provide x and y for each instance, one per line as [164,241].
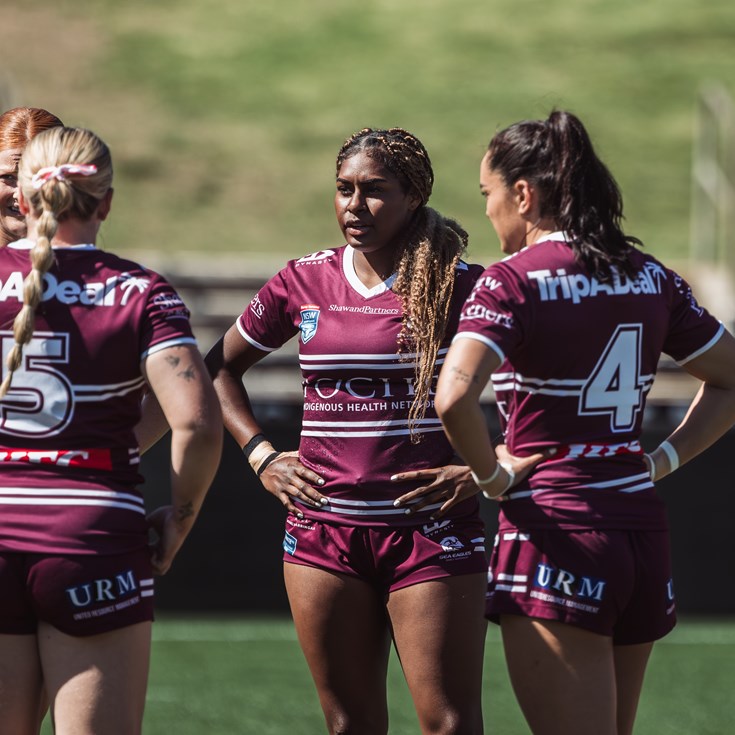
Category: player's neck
[373,268]
[72,231]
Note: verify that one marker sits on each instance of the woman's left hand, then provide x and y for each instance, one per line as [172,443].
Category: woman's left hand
[448,485]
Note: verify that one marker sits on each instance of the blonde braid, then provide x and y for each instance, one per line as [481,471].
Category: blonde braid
[424,282]
[42,258]
[426,262]
[52,201]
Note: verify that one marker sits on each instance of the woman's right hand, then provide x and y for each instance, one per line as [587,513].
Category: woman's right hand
[288,480]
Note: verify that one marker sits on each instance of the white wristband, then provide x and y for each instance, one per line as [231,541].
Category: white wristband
[652,462]
[488,480]
[667,448]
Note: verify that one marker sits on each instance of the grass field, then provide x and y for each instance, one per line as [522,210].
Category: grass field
[248,677]
[224,117]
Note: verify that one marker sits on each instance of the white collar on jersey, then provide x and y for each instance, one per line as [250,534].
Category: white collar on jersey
[348,267]
[556,236]
[26,244]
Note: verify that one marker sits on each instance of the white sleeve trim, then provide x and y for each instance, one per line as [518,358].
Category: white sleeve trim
[253,342]
[168,343]
[488,342]
[706,347]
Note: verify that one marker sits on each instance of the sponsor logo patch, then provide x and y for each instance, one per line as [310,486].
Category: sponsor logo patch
[309,321]
[289,544]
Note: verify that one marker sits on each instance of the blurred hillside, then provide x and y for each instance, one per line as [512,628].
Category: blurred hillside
[225,117]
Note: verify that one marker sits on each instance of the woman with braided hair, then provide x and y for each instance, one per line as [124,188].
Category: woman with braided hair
[17,127]
[570,327]
[83,332]
[383,537]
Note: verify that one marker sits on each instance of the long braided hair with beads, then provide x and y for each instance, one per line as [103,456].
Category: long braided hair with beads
[426,257]
[63,173]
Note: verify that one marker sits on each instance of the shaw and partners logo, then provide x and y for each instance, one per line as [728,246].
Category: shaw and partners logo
[577,286]
[113,291]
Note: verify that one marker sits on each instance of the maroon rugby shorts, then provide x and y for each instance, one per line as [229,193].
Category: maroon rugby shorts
[611,582]
[78,594]
[389,558]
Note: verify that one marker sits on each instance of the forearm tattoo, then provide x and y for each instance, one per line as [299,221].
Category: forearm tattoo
[185,511]
[462,375]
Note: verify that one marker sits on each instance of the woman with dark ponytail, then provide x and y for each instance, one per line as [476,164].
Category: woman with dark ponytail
[383,537]
[570,327]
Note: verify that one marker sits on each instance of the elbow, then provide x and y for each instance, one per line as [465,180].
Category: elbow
[447,405]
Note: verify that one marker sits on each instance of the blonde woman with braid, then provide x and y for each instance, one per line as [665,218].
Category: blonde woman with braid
[83,333]
[383,538]
[17,127]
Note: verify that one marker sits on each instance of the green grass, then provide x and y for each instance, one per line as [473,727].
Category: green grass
[247,676]
[225,117]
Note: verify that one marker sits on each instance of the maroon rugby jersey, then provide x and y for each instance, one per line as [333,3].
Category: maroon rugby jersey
[68,454]
[357,389]
[579,358]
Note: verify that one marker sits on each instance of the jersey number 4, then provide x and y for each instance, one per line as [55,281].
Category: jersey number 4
[615,386]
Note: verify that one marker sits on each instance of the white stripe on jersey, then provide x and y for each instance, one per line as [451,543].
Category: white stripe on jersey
[511,588]
[549,387]
[366,356]
[362,365]
[92,393]
[253,342]
[168,343]
[63,501]
[512,577]
[366,507]
[73,492]
[390,432]
[385,422]
[630,484]
[701,350]
[480,338]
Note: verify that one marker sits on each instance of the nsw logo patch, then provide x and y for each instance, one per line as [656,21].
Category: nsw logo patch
[309,321]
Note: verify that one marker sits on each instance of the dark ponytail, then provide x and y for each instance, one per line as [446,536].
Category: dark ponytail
[577,190]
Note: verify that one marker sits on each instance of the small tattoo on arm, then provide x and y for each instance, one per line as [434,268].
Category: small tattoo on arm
[187,374]
[185,511]
[462,375]
[173,361]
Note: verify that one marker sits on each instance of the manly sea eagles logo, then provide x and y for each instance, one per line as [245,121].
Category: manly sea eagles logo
[309,321]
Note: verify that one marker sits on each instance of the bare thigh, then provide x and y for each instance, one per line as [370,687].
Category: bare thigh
[630,669]
[96,684]
[439,630]
[343,631]
[563,676]
[21,685]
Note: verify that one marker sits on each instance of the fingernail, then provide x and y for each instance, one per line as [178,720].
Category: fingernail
[394,477]
[408,511]
[396,503]
[324,501]
[552,452]
[300,516]
[320,481]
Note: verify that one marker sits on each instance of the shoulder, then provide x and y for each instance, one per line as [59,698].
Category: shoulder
[319,259]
